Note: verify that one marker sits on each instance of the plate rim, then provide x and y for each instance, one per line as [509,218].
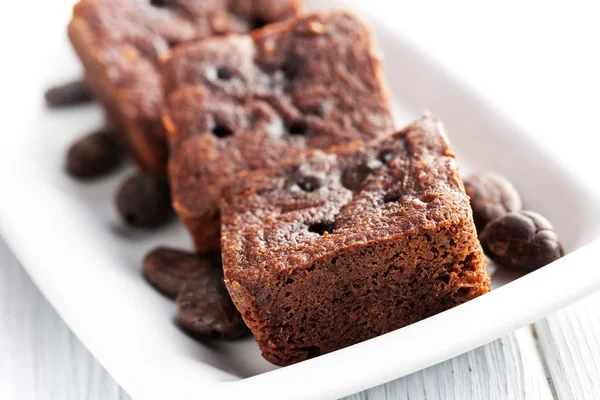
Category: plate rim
[14,226]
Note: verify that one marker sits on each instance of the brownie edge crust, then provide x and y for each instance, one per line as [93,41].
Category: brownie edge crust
[341,247]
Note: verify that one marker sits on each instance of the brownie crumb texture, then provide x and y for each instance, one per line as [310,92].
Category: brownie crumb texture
[250,102]
[336,248]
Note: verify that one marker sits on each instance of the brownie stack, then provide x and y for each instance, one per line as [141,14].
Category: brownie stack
[333,229]
[121,42]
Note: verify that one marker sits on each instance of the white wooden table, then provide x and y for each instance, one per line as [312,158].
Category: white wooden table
[540,63]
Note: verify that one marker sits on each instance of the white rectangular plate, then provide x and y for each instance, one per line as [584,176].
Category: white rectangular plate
[68,237]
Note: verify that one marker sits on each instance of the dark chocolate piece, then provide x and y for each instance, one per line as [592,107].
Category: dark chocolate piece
[205,309]
[144,200]
[68,94]
[523,240]
[492,196]
[94,156]
[169,270]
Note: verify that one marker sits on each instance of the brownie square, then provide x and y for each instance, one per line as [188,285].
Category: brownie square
[121,41]
[340,247]
[249,102]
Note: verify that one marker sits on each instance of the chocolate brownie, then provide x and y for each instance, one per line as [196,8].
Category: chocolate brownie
[248,102]
[340,247]
[120,42]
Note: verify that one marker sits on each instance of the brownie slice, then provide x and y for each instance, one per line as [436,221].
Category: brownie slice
[340,247]
[249,102]
[120,42]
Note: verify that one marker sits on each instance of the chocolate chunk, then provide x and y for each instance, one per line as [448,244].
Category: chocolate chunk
[222,131]
[169,270]
[205,308]
[144,200]
[290,67]
[307,178]
[353,177]
[523,240]
[69,94]
[492,196]
[225,73]
[160,3]
[258,23]
[298,128]
[322,228]
[93,156]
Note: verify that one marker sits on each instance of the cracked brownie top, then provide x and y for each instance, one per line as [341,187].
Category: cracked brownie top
[285,217]
[242,103]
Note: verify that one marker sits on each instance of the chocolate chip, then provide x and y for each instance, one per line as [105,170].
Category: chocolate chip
[306,186]
[321,228]
[221,131]
[169,270]
[307,178]
[76,92]
[309,184]
[352,178]
[161,3]
[392,197]
[205,309]
[225,73]
[298,128]
[522,239]
[144,200]
[258,23]
[492,196]
[290,68]
[94,156]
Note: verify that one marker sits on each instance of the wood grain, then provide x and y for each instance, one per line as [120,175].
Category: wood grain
[40,358]
[571,347]
[509,368]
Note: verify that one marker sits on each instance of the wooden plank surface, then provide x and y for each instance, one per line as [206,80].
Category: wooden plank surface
[41,359]
[570,342]
[509,368]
